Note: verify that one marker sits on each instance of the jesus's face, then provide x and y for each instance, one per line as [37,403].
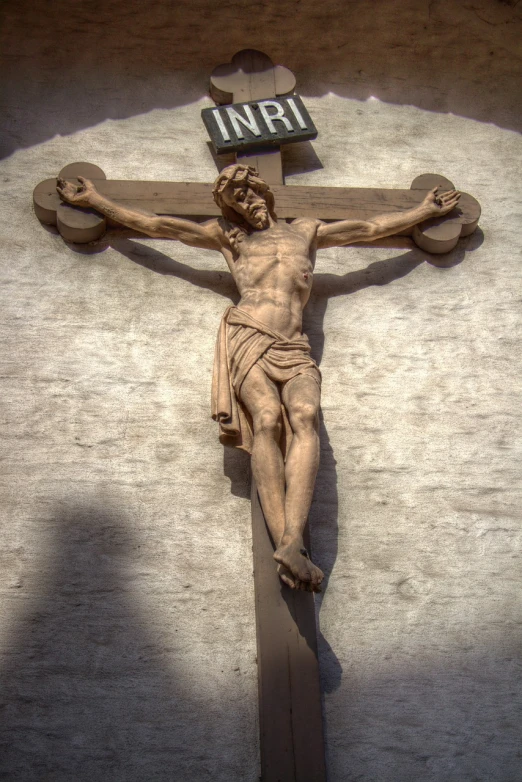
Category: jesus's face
[248,204]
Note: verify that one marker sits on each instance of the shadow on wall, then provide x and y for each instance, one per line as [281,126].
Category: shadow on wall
[69,71]
[97,688]
[324,511]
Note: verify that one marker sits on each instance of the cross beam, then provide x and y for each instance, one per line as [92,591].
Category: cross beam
[438,235]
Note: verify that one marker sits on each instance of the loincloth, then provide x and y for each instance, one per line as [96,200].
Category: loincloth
[242,342]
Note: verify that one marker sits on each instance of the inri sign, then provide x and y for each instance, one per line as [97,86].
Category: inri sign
[252,124]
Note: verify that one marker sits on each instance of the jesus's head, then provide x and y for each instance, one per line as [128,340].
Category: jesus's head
[244,198]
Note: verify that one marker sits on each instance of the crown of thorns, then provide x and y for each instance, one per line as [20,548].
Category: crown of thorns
[238,174]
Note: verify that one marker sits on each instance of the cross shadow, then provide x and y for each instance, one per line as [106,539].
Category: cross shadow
[297,158]
[220,282]
[325,506]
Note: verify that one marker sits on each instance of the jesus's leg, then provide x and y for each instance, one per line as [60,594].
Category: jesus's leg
[262,400]
[301,398]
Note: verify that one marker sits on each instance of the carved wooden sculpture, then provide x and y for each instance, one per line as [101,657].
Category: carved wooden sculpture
[263,361]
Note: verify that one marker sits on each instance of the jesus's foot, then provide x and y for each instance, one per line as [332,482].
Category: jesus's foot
[288,578]
[293,557]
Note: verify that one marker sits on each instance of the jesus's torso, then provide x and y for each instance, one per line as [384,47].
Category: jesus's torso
[273,270]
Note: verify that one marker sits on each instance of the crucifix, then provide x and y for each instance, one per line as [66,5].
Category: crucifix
[266,385]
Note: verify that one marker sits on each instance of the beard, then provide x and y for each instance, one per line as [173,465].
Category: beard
[259,218]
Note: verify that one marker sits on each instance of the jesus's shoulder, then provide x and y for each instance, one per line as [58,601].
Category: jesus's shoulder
[305,226]
[304,223]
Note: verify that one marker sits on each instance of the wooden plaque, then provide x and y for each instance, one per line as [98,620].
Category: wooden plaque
[258,124]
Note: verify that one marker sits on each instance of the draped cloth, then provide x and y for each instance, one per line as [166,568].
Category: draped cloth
[242,342]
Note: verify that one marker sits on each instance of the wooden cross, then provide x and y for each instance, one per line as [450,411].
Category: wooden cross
[292,745]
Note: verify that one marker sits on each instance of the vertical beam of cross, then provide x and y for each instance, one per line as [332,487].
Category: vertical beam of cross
[290,709]
[253,76]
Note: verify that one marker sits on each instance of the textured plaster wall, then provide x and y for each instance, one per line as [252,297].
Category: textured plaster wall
[127,642]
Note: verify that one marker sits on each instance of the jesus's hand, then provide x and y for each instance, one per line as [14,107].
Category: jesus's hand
[78,195]
[441,203]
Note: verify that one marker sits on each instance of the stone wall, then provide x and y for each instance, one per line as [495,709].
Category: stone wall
[126,606]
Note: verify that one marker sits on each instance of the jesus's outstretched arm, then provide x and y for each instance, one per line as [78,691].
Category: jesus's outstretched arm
[207,235]
[348,231]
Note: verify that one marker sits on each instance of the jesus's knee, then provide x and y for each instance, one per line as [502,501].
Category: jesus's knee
[303,416]
[268,421]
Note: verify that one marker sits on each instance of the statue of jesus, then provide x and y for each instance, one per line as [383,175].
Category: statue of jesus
[266,386]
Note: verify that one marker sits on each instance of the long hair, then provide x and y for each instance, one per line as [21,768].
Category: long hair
[239,174]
